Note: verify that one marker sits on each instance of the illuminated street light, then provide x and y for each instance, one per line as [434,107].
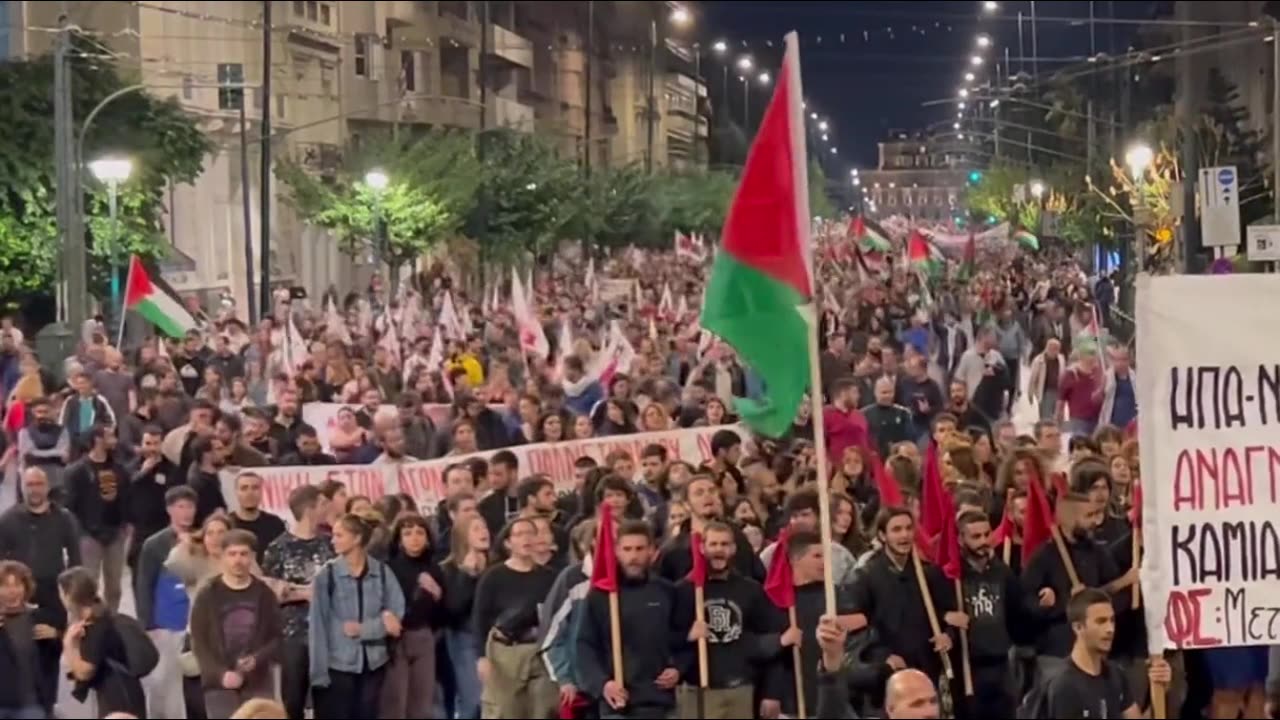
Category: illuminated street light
[744,62]
[822,126]
[991,6]
[111,170]
[964,92]
[955,126]
[376,180]
[813,116]
[1139,157]
[1037,189]
[968,77]
[960,105]
[764,78]
[720,47]
[976,60]
[984,41]
[824,137]
[833,151]
[856,182]
[679,16]
[994,103]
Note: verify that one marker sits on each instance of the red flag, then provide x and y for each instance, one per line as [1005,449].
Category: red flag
[778,584]
[933,494]
[948,557]
[1037,528]
[1060,489]
[604,569]
[1006,530]
[699,573]
[886,483]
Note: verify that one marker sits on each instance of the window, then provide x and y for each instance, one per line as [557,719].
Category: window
[231,77]
[362,55]
[326,78]
[325,17]
[299,8]
[188,88]
[408,76]
[313,10]
[281,105]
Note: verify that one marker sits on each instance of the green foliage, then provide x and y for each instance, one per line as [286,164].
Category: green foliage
[694,202]
[161,140]
[621,207]
[433,178]
[819,202]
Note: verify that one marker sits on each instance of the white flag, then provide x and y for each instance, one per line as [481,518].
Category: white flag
[682,308]
[666,304]
[532,337]
[564,348]
[409,318]
[295,347]
[448,319]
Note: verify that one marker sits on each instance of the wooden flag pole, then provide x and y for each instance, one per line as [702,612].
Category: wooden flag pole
[704,673]
[964,644]
[1007,550]
[1137,561]
[1066,559]
[615,636]
[798,666]
[1159,711]
[930,610]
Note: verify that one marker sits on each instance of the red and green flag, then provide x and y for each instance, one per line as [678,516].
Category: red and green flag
[1023,237]
[868,238]
[922,255]
[153,299]
[970,256]
[759,293]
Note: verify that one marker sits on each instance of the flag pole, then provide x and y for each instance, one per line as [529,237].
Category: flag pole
[615,636]
[124,310]
[929,609]
[704,672]
[796,663]
[964,644]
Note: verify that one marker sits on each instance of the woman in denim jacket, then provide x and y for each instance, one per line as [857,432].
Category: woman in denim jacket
[356,609]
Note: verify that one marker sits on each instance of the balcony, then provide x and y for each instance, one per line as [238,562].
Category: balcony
[450,26]
[399,12]
[443,111]
[510,47]
[512,114]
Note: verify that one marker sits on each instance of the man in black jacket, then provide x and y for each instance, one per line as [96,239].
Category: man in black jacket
[147,507]
[45,538]
[993,614]
[309,450]
[740,629]
[649,632]
[98,495]
[501,504]
[703,496]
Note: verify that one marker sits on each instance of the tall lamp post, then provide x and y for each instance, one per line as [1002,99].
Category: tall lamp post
[112,172]
[377,181]
[745,64]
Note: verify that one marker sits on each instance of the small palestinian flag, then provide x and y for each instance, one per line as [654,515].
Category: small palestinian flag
[867,237]
[153,299]
[1024,238]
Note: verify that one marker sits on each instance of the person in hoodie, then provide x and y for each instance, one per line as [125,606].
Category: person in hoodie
[83,410]
[163,604]
[44,444]
[702,494]
[148,492]
[309,452]
[44,537]
[203,478]
[19,659]
[993,615]
[740,628]
[408,690]
[98,496]
[650,633]
[294,558]
[581,392]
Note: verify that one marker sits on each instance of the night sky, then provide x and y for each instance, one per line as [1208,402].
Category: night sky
[868,66]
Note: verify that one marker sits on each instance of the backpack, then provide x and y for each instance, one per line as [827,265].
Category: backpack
[141,656]
[1035,706]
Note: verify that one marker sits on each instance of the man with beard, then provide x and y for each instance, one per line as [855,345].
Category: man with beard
[257,435]
[888,594]
[309,450]
[1089,686]
[241,455]
[649,632]
[702,494]
[147,490]
[98,496]
[1048,584]
[284,429]
[203,477]
[44,444]
[44,537]
[844,425]
[992,608]
[394,451]
[740,630]
[249,514]
[961,410]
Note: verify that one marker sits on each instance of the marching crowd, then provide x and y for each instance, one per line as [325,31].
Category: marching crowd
[486,605]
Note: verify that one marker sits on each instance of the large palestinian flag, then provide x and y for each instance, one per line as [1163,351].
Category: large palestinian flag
[153,299]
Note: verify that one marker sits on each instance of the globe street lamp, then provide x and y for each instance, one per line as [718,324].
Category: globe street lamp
[1139,157]
[1037,189]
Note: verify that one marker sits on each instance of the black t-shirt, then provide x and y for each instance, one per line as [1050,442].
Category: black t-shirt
[1074,693]
[113,687]
[265,528]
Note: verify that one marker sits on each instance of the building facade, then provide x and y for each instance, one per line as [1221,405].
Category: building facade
[917,176]
[343,69]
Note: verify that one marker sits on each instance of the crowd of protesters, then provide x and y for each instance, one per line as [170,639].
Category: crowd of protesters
[368,607]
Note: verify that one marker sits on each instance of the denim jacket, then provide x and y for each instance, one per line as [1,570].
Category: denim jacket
[334,602]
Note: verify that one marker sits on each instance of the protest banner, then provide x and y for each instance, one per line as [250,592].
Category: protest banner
[324,416]
[617,290]
[1209,393]
[424,481]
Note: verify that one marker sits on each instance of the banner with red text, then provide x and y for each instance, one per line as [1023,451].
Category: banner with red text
[424,481]
[1209,393]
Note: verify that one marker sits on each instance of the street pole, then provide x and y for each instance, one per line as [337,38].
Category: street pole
[56,340]
[586,69]
[264,192]
[1275,126]
[247,205]
[1035,44]
[650,110]
[724,95]
[113,200]
[746,107]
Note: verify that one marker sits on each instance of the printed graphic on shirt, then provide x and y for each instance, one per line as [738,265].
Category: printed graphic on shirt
[108,485]
[724,621]
[983,601]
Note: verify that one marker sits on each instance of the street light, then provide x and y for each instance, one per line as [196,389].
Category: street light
[376,180]
[955,126]
[1037,189]
[964,92]
[994,103]
[813,116]
[991,6]
[822,126]
[824,137]
[112,172]
[833,151]
[984,41]
[976,60]
[1138,157]
[968,77]
[744,62]
[764,78]
[720,47]
[960,104]
[679,16]
[856,181]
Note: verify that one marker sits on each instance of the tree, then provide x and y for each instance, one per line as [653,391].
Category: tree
[819,202]
[163,142]
[694,202]
[622,207]
[432,179]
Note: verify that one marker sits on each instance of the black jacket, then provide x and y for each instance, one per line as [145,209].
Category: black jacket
[1095,568]
[421,609]
[98,495]
[743,630]
[496,508]
[998,618]
[147,509]
[892,601]
[47,543]
[650,637]
[677,559]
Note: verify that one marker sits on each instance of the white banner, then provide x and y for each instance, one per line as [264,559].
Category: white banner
[324,416]
[1210,397]
[424,481]
[616,290]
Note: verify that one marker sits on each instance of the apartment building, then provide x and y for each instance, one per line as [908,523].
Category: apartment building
[918,176]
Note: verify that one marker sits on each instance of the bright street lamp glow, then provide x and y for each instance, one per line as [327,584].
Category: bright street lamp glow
[994,103]
[824,137]
[833,151]
[960,136]
[991,6]
[955,126]
[764,78]
[679,16]
[964,92]
[856,182]
[813,116]
[111,170]
[721,47]
[1139,157]
[744,62]
[968,77]
[1037,189]
[376,179]
[976,60]
[984,41]
[960,105]
[822,126]
[853,171]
